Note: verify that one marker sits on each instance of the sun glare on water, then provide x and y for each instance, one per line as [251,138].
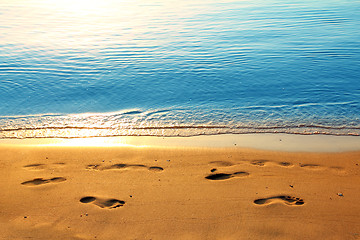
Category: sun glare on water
[78,6]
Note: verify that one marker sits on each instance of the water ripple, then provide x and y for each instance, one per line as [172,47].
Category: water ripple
[179,67]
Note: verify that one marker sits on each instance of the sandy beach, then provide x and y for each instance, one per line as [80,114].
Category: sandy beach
[129,192]
[179,120]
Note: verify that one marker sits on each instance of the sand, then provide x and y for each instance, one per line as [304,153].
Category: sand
[63,192]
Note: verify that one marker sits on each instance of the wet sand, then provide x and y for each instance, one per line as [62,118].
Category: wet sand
[62,192]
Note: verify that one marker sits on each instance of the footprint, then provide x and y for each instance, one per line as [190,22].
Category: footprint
[40,181]
[222,163]
[93,167]
[311,166]
[41,166]
[259,162]
[285,164]
[38,166]
[262,163]
[223,176]
[338,169]
[285,199]
[123,166]
[108,203]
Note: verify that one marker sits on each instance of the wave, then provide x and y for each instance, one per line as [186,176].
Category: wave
[168,131]
[167,122]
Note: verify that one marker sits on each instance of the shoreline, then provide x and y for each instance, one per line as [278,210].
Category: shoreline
[259,141]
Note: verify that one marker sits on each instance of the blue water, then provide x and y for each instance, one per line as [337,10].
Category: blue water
[165,68]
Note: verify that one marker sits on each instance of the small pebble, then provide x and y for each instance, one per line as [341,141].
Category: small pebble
[291,186]
[25,216]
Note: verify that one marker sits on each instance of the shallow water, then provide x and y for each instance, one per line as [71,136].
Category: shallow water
[166,68]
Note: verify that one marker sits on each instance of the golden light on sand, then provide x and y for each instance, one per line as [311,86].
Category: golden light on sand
[122,193]
[92,142]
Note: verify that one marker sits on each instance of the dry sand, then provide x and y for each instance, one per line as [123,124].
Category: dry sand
[177,193]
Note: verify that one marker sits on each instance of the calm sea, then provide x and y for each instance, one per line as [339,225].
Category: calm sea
[75,68]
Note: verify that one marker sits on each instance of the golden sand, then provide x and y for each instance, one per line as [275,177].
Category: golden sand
[62,192]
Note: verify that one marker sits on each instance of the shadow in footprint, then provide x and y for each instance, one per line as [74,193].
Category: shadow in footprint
[108,203]
[156,169]
[223,176]
[285,199]
[40,181]
[285,164]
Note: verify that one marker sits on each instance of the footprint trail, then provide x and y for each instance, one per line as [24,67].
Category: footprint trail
[121,166]
[41,181]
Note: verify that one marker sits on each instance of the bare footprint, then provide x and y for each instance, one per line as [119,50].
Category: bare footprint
[288,200]
[108,203]
[285,164]
[311,166]
[223,176]
[40,181]
[93,167]
[34,167]
[338,170]
[120,166]
[41,166]
[222,163]
[260,163]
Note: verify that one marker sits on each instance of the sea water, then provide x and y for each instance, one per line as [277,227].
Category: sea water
[178,68]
